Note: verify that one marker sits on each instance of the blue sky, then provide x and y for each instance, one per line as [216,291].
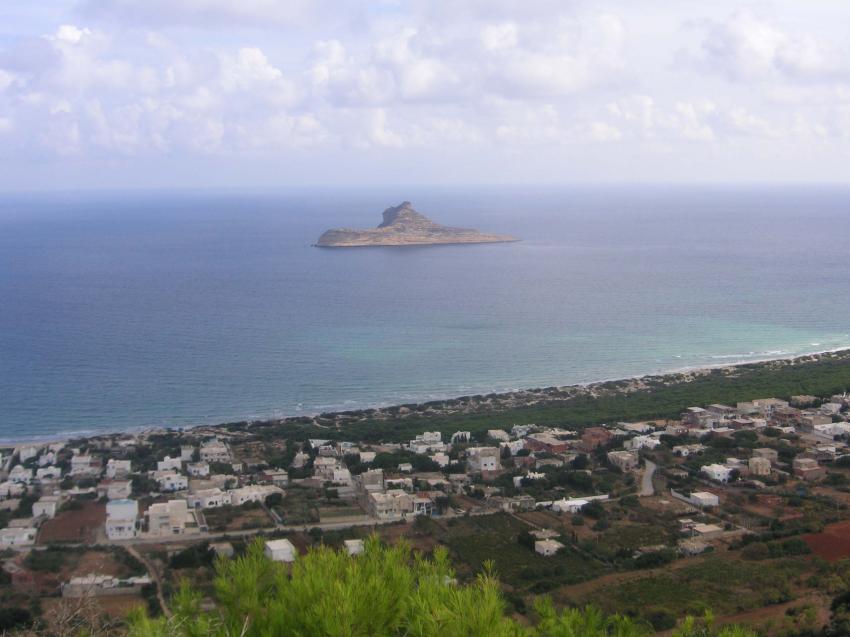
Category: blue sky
[197,93]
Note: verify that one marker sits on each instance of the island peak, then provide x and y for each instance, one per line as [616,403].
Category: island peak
[403,225]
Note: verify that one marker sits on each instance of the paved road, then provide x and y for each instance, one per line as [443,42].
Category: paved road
[192,538]
[646,486]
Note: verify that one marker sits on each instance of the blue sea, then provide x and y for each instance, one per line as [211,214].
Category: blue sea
[121,310]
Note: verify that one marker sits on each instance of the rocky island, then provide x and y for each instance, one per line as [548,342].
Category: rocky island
[403,226]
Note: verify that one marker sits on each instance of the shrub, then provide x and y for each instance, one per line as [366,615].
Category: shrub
[193,557]
[52,559]
[12,618]
[653,560]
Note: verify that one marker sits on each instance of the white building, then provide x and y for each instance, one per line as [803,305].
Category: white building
[547,547]
[573,505]
[531,475]
[393,504]
[121,519]
[354,547]
[198,469]
[323,468]
[169,481]
[441,459]
[214,451]
[21,474]
[300,460]
[514,446]
[717,472]
[48,473]
[169,464]
[118,468]
[498,434]
[119,489]
[252,493]
[12,537]
[84,465]
[46,459]
[759,466]
[11,489]
[427,442]
[187,452]
[28,452]
[46,505]
[208,498]
[168,518]
[341,476]
[688,450]
[280,550]
[483,459]
[461,436]
[624,460]
[704,499]
[641,442]
[371,481]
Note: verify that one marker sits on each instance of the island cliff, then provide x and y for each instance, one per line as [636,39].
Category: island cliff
[403,226]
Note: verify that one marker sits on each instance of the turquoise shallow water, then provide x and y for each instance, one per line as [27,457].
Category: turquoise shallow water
[125,310]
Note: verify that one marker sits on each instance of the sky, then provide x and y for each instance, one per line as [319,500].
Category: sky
[278,93]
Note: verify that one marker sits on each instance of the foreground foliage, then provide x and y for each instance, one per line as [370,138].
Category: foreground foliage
[387,591]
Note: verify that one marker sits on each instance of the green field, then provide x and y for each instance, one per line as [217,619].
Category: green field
[721,583]
[475,540]
[665,397]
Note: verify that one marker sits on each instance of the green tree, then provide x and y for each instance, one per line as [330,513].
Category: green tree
[385,592]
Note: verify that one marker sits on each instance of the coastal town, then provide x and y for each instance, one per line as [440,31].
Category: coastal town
[118,519]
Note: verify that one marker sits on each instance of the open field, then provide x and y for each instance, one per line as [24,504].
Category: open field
[76,525]
[475,540]
[232,518]
[831,544]
[722,583]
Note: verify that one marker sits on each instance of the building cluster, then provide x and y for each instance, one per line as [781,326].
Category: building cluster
[821,429]
[169,491]
[191,485]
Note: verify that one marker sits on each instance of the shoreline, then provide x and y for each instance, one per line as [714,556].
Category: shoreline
[474,403]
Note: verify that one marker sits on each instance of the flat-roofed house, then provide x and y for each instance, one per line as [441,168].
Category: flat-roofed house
[547,548]
[624,460]
[121,519]
[280,550]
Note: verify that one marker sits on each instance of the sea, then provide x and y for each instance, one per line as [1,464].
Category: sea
[121,310]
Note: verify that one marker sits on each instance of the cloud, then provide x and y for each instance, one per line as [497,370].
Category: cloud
[202,13]
[604,132]
[495,37]
[557,58]
[179,79]
[747,47]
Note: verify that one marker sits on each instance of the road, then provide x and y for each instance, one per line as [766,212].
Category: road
[155,576]
[217,536]
[646,486]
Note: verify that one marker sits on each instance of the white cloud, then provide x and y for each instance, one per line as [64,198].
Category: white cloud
[499,36]
[748,47]
[604,132]
[378,132]
[69,34]
[198,13]
[6,79]
[450,82]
